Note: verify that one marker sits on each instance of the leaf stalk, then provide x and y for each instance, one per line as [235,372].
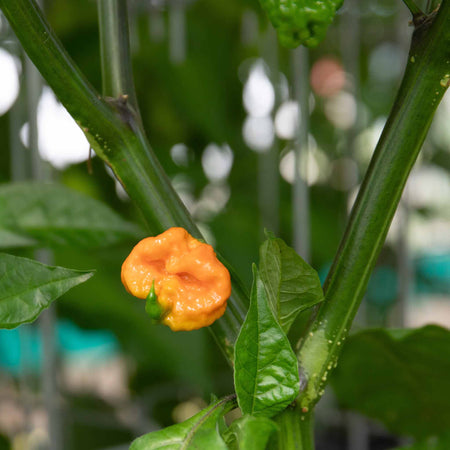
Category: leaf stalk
[413,8]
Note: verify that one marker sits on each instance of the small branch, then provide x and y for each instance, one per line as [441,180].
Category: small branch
[422,88]
[414,9]
[117,74]
[432,6]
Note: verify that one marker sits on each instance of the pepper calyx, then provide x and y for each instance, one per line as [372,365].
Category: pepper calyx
[152,306]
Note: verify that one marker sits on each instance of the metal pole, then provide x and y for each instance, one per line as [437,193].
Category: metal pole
[20,171]
[358,433]
[20,167]
[300,194]
[268,174]
[404,271]
[177,32]
[41,172]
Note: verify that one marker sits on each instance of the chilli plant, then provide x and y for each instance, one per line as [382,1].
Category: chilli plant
[277,383]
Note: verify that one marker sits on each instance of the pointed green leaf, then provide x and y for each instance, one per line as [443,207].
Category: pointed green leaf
[249,433]
[292,284]
[27,287]
[54,215]
[199,432]
[399,377]
[266,372]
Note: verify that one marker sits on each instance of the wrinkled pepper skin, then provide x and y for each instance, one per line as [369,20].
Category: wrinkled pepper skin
[192,286]
[301,21]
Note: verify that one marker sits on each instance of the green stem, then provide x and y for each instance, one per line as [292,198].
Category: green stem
[415,10]
[424,83]
[117,76]
[296,430]
[115,133]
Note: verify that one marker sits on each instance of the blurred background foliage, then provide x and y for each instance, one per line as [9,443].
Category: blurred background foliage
[218,103]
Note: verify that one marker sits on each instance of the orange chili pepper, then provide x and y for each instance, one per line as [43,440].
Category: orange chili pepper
[192,286]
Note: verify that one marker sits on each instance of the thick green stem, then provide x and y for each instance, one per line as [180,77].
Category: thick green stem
[425,81]
[115,133]
[296,430]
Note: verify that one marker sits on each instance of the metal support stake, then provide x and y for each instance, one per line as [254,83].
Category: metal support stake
[268,173]
[42,172]
[300,194]
[177,32]
[358,433]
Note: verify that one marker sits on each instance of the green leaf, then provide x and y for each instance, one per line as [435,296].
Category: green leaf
[27,287]
[399,377]
[292,284]
[266,371]
[199,432]
[249,433]
[54,215]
